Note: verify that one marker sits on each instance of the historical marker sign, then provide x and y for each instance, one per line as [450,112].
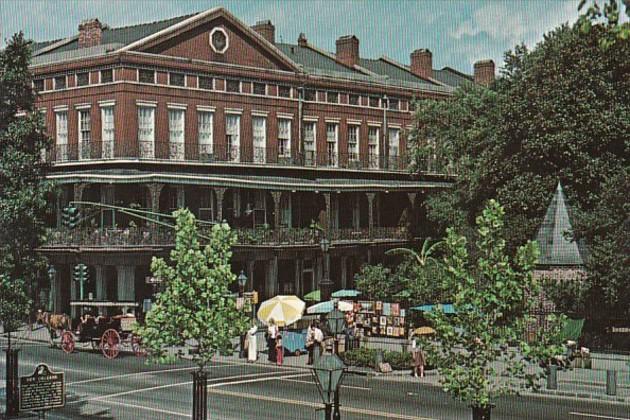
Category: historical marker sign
[42,390]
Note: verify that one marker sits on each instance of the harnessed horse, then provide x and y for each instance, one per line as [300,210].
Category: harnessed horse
[54,323]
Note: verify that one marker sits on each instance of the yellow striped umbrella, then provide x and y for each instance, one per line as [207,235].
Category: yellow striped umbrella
[284,310]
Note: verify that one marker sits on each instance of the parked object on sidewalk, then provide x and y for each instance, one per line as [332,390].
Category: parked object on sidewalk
[283,309]
[294,342]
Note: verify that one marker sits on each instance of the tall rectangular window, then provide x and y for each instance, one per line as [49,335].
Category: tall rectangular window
[353,143]
[309,143]
[107,132]
[176,134]
[373,147]
[284,138]
[259,125]
[204,127]
[85,133]
[146,131]
[232,137]
[61,138]
[393,148]
[332,131]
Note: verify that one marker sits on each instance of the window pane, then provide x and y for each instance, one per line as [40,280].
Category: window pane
[146,131]
[260,89]
[83,79]
[393,103]
[353,100]
[233,86]
[284,91]
[309,95]
[38,85]
[374,101]
[284,137]
[205,82]
[332,97]
[60,82]
[260,138]
[177,79]
[146,76]
[107,76]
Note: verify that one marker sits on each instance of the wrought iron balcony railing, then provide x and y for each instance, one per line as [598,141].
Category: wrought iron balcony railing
[244,154]
[148,236]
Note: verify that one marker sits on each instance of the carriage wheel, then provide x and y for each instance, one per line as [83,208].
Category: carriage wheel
[67,342]
[110,343]
[136,346]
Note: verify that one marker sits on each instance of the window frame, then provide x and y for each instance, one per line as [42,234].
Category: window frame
[328,97]
[259,84]
[227,84]
[100,76]
[284,152]
[106,130]
[180,132]
[199,78]
[356,129]
[280,88]
[65,82]
[83,73]
[236,145]
[152,109]
[140,71]
[170,75]
[205,148]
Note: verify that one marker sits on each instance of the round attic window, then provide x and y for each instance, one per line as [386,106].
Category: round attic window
[219,40]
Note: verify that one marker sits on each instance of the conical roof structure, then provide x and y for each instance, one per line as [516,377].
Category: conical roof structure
[554,236]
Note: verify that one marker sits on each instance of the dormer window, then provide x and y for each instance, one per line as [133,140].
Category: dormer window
[219,40]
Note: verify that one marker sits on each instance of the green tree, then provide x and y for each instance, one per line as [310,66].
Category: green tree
[14,304]
[559,112]
[376,282]
[23,187]
[480,351]
[196,303]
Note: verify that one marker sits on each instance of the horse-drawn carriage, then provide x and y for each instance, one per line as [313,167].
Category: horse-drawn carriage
[109,334]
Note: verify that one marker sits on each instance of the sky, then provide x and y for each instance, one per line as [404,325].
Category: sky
[458,32]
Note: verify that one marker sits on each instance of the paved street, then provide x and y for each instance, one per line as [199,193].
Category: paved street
[127,388]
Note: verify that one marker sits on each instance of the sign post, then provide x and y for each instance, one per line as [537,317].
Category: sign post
[42,391]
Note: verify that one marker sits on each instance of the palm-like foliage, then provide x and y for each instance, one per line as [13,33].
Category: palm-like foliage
[423,257]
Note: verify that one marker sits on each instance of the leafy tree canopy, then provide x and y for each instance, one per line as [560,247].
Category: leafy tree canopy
[196,305]
[23,188]
[485,338]
[559,112]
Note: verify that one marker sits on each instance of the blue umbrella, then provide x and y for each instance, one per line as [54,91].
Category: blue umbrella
[447,308]
[344,293]
[328,306]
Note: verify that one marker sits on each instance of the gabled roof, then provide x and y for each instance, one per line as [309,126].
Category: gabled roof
[452,77]
[554,240]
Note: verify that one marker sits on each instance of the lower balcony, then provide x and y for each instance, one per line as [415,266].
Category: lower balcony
[146,236]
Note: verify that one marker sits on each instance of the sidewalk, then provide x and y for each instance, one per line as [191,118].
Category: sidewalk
[575,383]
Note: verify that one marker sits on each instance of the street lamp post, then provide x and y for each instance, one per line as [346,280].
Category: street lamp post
[242,281]
[325,285]
[52,275]
[328,372]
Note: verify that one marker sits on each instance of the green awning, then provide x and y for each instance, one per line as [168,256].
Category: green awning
[572,329]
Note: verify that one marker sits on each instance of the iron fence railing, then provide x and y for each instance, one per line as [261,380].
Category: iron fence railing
[147,235]
[243,154]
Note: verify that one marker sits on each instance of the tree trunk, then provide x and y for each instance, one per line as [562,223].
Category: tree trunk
[481,413]
[200,395]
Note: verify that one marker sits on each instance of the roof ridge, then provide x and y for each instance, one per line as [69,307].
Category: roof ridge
[407,69]
[461,73]
[151,23]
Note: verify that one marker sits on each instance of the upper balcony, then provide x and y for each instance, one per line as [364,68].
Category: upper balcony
[164,151]
[145,236]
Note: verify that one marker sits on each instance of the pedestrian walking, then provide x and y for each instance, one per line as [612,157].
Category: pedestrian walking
[418,356]
[310,342]
[252,344]
[279,350]
[318,338]
[272,333]
[349,331]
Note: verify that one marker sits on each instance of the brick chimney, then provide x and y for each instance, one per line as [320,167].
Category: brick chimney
[348,50]
[90,33]
[302,41]
[484,72]
[266,29]
[422,63]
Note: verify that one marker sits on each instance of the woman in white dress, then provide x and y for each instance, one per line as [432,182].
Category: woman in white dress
[252,344]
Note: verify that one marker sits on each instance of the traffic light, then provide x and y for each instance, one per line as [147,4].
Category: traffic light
[80,274]
[70,217]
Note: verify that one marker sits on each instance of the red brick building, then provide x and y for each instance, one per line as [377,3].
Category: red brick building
[206,112]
